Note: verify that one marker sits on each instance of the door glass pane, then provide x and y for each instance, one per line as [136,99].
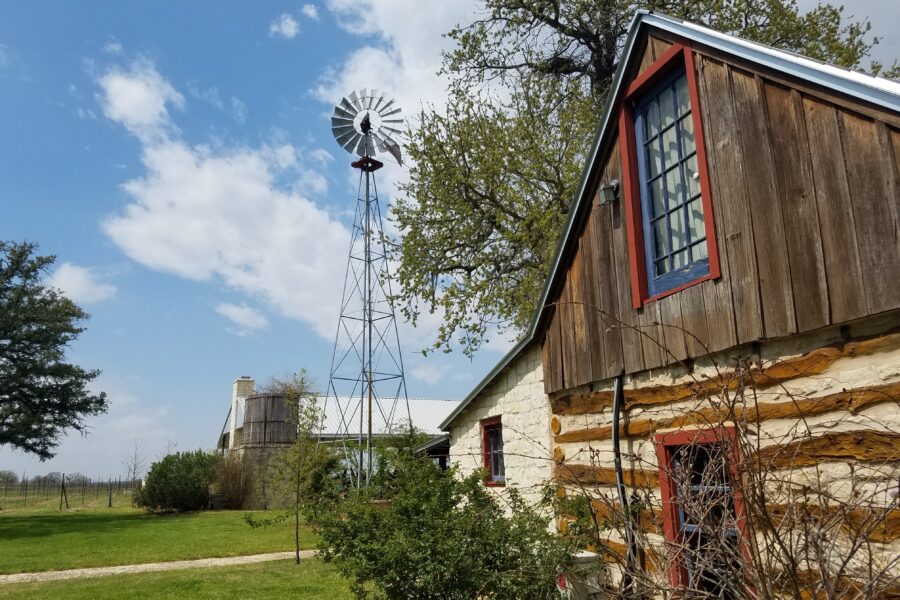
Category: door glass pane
[678,229]
[686,131]
[681,93]
[666,107]
[651,120]
[660,238]
[695,220]
[670,147]
[654,163]
[673,188]
[657,200]
[692,176]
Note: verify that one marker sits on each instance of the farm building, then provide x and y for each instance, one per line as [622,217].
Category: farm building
[715,360]
[258,424]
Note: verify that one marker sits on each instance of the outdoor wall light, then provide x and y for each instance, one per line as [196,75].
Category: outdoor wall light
[609,192]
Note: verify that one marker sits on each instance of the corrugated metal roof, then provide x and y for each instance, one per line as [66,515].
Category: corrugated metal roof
[342,414]
[876,90]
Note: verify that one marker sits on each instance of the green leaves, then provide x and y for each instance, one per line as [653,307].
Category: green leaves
[41,395]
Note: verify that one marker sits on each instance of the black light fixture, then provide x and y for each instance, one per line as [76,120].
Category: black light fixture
[609,192]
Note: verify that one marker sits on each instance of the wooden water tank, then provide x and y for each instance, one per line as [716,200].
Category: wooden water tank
[267,421]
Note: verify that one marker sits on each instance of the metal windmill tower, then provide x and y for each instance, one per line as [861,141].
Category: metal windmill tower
[366,382]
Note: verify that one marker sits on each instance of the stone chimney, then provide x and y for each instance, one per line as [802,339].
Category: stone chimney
[240,389]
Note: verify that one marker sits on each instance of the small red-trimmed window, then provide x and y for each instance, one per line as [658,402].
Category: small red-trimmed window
[703,512]
[492,450]
[666,185]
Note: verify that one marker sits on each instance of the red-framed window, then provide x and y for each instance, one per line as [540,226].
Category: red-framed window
[492,451]
[703,510]
[666,187]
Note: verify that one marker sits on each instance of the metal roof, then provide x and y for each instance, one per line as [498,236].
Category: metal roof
[426,415]
[875,90]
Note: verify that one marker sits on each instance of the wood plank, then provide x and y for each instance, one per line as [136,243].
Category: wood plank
[873,196]
[582,347]
[672,328]
[843,270]
[658,46]
[553,374]
[567,335]
[694,319]
[593,276]
[765,218]
[651,335]
[732,210]
[647,57]
[717,301]
[593,475]
[632,352]
[797,199]
[607,293]
[545,362]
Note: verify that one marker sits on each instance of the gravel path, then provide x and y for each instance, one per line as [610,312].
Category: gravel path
[148,567]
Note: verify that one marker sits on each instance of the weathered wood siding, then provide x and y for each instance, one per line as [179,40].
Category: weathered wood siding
[806,205]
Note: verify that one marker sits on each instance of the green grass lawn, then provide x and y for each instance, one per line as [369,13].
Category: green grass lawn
[312,579]
[45,539]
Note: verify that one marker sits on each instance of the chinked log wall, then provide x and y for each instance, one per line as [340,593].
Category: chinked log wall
[805,201]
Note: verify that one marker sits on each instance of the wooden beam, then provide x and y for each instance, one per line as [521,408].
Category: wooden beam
[812,363]
[591,475]
[867,446]
[851,401]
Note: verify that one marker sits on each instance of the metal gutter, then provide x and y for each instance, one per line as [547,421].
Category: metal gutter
[876,90]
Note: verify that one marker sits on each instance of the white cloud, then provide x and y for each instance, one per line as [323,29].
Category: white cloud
[310,11]
[238,109]
[80,284]
[322,156]
[232,214]
[285,26]
[429,373]
[246,318]
[6,58]
[138,98]
[112,47]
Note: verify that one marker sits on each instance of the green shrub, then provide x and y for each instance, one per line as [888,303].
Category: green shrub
[440,536]
[180,481]
[234,482]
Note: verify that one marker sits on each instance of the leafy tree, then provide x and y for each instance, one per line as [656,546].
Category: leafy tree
[494,173]
[41,395]
[304,473]
[443,536]
[8,477]
[180,481]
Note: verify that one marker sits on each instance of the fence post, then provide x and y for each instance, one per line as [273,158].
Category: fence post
[25,501]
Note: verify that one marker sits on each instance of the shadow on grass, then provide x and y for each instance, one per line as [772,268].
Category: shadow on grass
[93,523]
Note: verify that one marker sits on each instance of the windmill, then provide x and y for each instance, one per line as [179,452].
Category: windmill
[366,385]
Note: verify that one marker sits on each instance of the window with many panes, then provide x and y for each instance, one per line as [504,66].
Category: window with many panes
[700,512]
[492,449]
[666,185]
[673,219]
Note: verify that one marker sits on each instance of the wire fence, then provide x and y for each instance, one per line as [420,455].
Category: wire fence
[62,491]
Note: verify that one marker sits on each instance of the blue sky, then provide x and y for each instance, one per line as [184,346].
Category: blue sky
[177,158]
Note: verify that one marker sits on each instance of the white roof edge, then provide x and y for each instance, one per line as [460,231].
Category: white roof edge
[877,90]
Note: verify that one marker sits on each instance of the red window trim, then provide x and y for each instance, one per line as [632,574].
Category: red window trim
[486,449]
[679,54]
[665,443]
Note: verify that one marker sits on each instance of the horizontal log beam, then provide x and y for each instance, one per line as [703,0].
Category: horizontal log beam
[852,401]
[863,446]
[591,475]
[812,363]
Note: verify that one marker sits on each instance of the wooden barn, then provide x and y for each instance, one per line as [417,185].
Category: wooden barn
[722,322]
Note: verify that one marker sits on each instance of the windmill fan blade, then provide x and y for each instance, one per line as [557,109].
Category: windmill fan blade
[393,112]
[345,114]
[339,131]
[346,105]
[345,136]
[361,145]
[378,102]
[354,100]
[394,149]
[352,142]
[386,106]
[341,122]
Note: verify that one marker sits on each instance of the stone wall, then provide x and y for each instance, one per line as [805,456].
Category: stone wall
[517,396]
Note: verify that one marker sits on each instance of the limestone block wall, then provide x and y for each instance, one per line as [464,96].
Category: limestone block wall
[517,396]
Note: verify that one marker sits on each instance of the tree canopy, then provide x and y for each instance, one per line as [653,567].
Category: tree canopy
[41,395]
[493,173]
